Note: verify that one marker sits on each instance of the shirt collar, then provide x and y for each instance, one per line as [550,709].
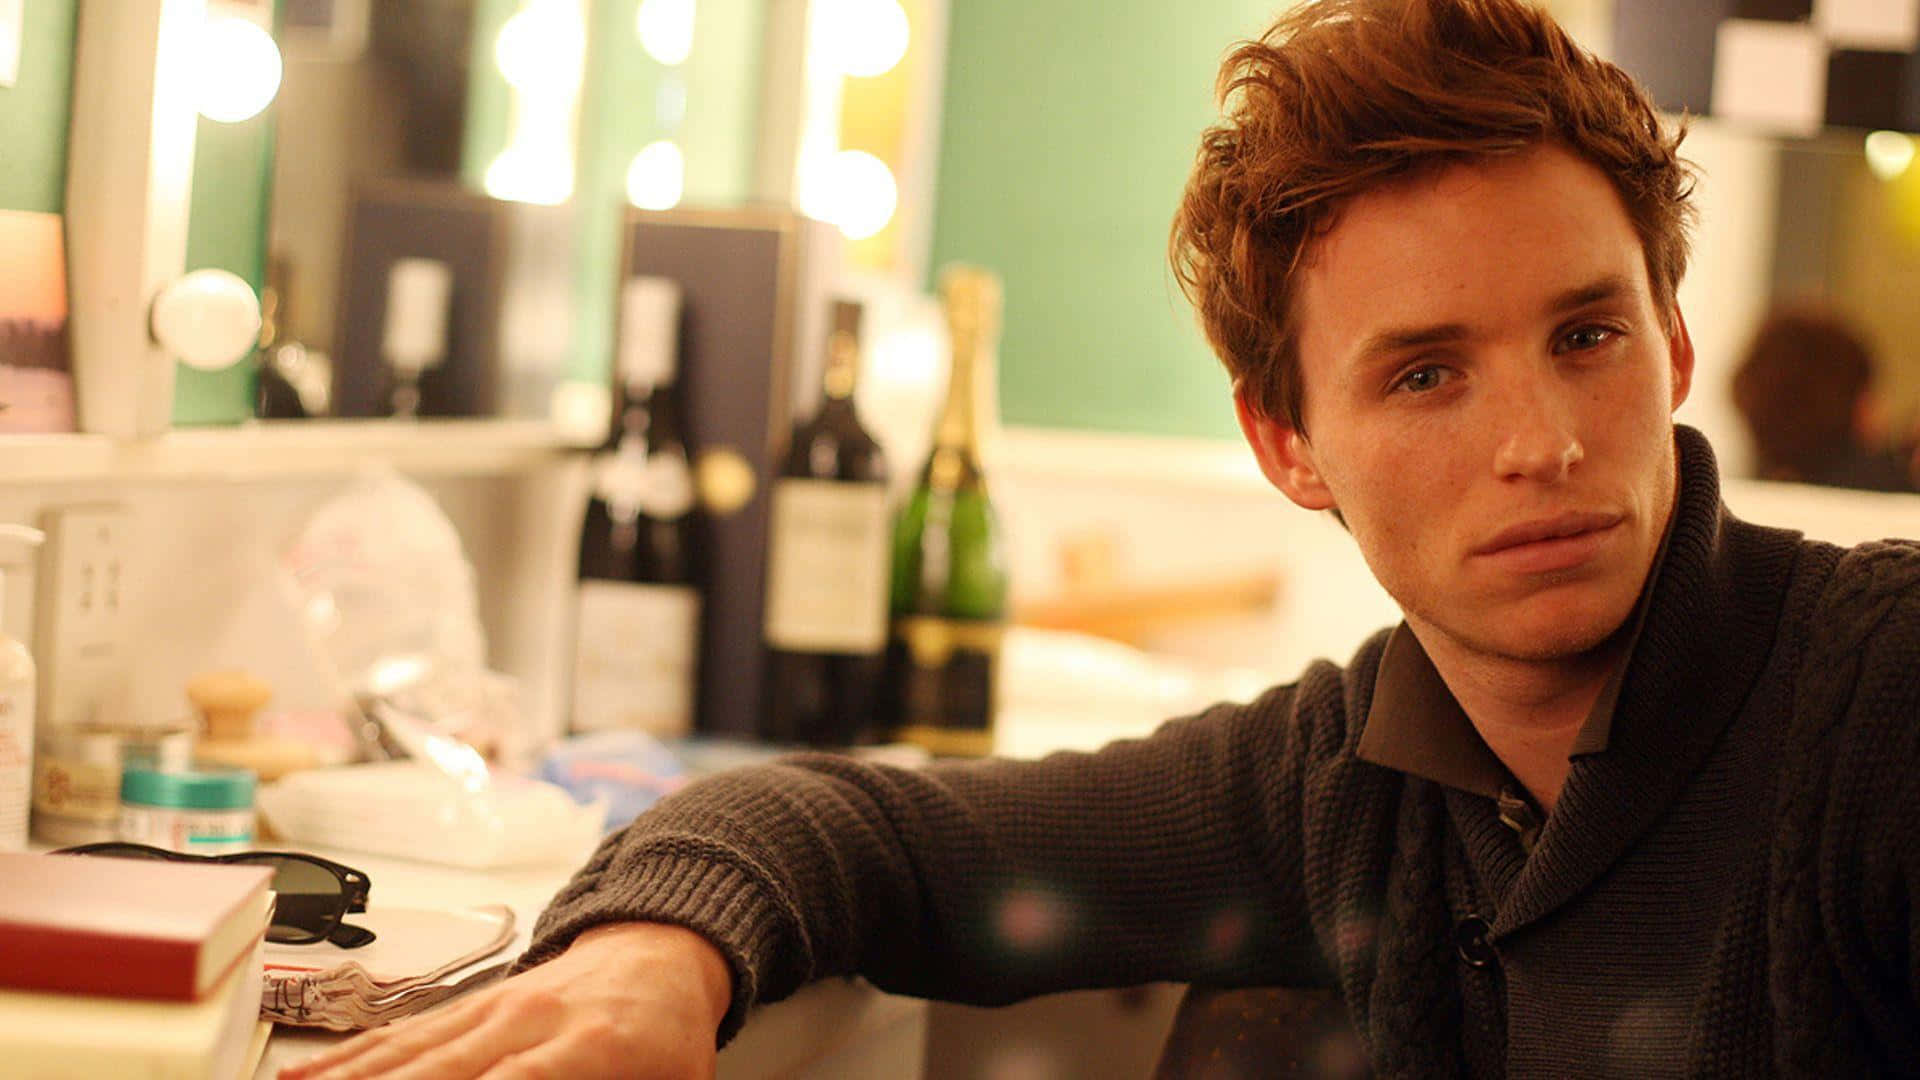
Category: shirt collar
[1416,726]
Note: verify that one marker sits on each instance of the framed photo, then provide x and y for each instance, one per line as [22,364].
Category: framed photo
[36,370]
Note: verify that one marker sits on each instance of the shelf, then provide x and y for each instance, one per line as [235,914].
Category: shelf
[289,448]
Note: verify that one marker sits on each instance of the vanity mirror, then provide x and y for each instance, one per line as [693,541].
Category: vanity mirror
[500,140]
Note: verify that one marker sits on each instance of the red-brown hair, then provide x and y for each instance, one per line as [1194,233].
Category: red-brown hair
[1340,96]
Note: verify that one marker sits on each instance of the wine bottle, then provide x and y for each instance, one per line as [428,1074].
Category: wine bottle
[949,574]
[826,608]
[636,632]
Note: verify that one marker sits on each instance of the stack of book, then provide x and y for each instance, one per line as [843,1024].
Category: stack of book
[130,968]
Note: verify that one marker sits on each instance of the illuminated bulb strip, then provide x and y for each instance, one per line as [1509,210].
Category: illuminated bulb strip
[1889,154]
[657,178]
[541,52]
[865,38]
[665,28]
[852,189]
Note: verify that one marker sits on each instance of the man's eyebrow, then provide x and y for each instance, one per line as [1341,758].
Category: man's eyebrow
[1610,287]
[1397,338]
[1394,339]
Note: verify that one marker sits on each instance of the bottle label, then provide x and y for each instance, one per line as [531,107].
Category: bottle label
[199,832]
[634,658]
[947,671]
[76,789]
[827,567]
[631,482]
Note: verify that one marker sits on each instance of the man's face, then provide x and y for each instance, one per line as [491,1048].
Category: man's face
[1489,393]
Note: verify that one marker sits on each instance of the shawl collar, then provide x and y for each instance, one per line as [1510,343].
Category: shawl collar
[1715,610]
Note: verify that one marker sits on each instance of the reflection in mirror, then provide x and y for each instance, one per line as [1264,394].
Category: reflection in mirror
[372,90]
[1829,380]
[530,123]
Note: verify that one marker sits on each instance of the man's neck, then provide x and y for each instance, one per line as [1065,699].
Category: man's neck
[1529,712]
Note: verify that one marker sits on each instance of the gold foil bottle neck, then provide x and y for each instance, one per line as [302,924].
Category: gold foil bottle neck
[973,297]
[843,364]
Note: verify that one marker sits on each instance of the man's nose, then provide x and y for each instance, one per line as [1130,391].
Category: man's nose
[1539,440]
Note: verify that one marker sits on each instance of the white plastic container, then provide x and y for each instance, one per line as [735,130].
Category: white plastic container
[16,711]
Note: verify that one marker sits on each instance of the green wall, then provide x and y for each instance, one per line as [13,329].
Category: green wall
[34,111]
[1068,129]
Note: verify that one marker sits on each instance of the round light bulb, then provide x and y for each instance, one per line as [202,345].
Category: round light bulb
[1889,153]
[657,178]
[521,174]
[207,319]
[542,49]
[239,69]
[854,190]
[863,38]
[666,29]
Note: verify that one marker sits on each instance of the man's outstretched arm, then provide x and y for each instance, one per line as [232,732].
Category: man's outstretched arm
[1169,858]
[1172,857]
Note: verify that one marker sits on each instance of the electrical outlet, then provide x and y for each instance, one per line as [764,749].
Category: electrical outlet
[80,597]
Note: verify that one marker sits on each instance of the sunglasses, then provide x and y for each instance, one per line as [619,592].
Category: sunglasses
[311,894]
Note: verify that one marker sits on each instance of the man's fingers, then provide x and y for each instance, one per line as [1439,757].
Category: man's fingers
[512,1026]
[385,1047]
[592,1051]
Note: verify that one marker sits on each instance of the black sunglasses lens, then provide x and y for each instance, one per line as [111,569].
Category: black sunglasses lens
[309,900]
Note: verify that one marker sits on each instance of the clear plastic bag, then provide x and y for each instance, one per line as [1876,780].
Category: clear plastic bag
[386,597]
[384,588]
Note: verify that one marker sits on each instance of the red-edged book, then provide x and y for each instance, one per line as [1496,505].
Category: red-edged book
[131,928]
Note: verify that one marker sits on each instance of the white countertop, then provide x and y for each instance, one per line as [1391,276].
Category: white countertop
[828,1030]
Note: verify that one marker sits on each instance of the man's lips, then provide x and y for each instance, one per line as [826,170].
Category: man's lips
[1557,527]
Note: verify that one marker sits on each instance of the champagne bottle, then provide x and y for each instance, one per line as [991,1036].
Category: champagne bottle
[636,632]
[826,610]
[949,579]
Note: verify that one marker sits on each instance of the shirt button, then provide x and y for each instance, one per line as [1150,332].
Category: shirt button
[1470,941]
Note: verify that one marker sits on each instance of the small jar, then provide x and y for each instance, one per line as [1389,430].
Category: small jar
[198,811]
[76,785]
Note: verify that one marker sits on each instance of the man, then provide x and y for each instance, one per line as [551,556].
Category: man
[1629,793]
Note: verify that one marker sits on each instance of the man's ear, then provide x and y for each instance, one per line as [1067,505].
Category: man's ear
[1680,349]
[1284,454]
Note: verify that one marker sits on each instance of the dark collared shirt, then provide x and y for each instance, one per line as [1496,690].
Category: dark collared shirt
[1416,726]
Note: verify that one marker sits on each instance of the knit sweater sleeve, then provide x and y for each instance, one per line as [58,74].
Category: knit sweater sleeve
[1859,874]
[1880,761]
[1174,857]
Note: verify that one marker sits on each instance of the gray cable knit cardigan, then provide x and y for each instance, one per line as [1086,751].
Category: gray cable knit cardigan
[1727,890]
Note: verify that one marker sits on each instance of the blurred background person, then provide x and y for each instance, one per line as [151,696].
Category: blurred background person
[1805,387]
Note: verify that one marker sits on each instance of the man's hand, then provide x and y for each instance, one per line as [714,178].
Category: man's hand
[626,1000]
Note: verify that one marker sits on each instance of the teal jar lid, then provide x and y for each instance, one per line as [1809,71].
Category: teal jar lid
[188,789]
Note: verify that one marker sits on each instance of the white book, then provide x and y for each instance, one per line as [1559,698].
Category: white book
[51,1036]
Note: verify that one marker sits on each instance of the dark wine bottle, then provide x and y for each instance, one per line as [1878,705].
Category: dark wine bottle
[949,573]
[637,626]
[826,608]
